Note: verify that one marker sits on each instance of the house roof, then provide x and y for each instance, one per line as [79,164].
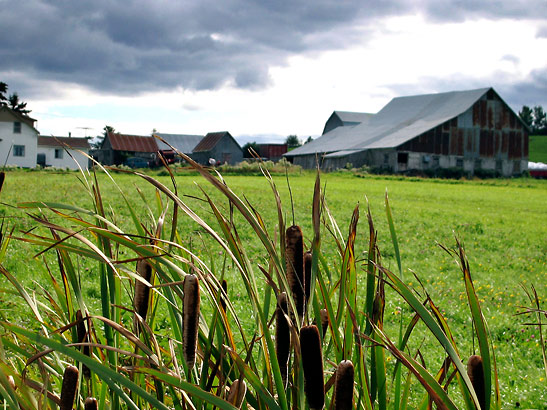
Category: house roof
[21,117]
[402,119]
[62,141]
[135,143]
[182,142]
[210,141]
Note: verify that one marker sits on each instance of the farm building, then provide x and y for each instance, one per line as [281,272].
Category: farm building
[116,148]
[62,152]
[469,130]
[181,142]
[272,152]
[220,146]
[18,139]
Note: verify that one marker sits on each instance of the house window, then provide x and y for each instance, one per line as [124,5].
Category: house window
[58,153]
[17,127]
[18,150]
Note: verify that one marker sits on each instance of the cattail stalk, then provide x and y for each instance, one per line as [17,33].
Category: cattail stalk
[475,371]
[68,390]
[190,314]
[312,364]
[343,389]
[237,393]
[307,277]
[294,256]
[91,404]
[282,335]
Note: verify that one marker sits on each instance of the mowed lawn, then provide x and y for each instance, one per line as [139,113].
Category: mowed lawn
[502,224]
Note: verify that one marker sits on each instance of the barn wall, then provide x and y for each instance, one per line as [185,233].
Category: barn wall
[488,136]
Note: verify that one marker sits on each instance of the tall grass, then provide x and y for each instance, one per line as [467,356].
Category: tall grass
[311,321]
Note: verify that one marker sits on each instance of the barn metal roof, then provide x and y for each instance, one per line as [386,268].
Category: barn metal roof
[402,119]
[134,143]
[353,117]
[209,141]
[182,142]
[62,141]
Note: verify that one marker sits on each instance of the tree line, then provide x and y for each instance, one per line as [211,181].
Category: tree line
[535,118]
[12,101]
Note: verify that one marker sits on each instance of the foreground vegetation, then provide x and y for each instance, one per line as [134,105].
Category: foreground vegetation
[506,249]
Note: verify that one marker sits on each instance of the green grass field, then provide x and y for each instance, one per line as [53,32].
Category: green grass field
[502,224]
[538,148]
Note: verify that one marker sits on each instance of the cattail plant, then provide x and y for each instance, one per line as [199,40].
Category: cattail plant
[307,277]
[312,364]
[190,312]
[475,371]
[11,382]
[91,404]
[142,291]
[282,335]
[68,389]
[237,393]
[82,338]
[324,316]
[343,389]
[294,255]
[223,294]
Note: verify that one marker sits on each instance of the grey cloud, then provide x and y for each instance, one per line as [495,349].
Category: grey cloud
[542,32]
[138,46]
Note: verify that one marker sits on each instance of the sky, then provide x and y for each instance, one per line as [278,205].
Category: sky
[261,70]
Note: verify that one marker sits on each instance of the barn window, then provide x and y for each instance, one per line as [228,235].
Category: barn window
[459,162]
[58,153]
[17,127]
[436,161]
[402,157]
[478,164]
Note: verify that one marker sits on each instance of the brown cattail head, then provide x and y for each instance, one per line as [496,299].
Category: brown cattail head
[68,390]
[91,404]
[237,393]
[307,276]
[324,321]
[282,335]
[312,364]
[343,389]
[142,291]
[190,318]
[83,338]
[475,371]
[294,256]
[223,294]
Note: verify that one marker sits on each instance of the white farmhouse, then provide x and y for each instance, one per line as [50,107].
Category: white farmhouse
[62,152]
[18,139]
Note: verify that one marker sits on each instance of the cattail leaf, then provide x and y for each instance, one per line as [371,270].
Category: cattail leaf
[238,389]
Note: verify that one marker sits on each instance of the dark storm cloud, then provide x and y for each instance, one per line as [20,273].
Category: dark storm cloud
[530,91]
[137,46]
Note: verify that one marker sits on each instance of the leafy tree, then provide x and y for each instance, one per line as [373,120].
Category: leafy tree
[16,105]
[292,142]
[310,139]
[540,120]
[527,115]
[247,146]
[107,129]
[12,101]
[3,91]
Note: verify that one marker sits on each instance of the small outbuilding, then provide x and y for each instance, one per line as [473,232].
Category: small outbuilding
[219,148]
[116,148]
[62,152]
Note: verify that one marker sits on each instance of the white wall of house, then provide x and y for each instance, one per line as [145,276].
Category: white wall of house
[18,145]
[59,158]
